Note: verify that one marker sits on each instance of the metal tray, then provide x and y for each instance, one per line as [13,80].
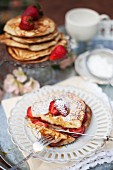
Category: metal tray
[8,150]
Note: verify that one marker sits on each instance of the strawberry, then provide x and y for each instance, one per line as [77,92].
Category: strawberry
[85,118]
[29,112]
[39,123]
[26,23]
[58,53]
[79,130]
[53,109]
[31,11]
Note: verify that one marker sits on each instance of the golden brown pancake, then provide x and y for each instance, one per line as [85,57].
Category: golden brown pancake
[89,117]
[31,47]
[26,55]
[63,138]
[78,117]
[26,40]
[74,118]
[43,26]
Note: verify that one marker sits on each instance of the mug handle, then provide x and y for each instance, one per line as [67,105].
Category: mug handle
[104,17]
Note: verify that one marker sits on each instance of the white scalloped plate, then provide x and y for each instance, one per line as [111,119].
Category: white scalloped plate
[84,146]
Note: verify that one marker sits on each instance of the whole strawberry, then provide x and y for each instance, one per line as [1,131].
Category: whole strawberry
[31,11]
[58,53]
[26,23]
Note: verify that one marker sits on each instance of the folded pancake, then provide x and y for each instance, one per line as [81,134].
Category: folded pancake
[77,119]
[43,26]
[72,120]
[33,40]
[60,138]
[31,47]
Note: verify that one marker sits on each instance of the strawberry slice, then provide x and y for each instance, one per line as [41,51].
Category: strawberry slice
[58,53]
[79,130]
[85,118]
[53,109]
[29,112]
[39,123]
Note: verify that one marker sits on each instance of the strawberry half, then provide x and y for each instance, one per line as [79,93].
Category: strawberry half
[31,11]
[26,23]
[58,53]
[29,112]
[53,109]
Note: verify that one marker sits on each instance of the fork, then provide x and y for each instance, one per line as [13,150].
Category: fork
[106,138]
[38,146]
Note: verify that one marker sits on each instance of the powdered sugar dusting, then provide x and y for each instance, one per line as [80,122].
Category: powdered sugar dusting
[64,101]
[40,107]
[62,106]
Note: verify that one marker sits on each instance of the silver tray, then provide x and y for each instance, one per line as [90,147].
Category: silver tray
[13,155]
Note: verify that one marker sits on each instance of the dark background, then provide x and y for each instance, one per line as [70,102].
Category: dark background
[56,9]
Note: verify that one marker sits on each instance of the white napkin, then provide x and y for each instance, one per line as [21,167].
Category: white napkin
[35,164]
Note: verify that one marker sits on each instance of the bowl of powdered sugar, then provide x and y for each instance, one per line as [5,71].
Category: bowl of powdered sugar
[99,63]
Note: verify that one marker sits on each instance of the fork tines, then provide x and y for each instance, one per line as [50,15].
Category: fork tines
[47,139]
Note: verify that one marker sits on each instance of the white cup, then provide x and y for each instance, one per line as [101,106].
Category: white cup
[82,23]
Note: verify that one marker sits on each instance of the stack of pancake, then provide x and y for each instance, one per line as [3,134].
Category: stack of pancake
[32,46]
[43,120]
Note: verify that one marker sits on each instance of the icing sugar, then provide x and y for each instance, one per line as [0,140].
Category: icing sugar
[100,66]
[61,105]
[40,107]
[69,101]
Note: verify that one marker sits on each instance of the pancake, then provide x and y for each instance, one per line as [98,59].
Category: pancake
[89,116]
[38,60]
[26,55]
[43,26]
[39,39]
[31,47]
[61,138]
[76,112]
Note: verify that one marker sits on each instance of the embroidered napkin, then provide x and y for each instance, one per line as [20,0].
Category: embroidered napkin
[35,164]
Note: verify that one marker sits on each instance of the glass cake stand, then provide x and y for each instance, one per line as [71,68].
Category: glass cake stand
[43,71]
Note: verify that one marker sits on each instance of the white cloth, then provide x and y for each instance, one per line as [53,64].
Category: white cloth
[101,157]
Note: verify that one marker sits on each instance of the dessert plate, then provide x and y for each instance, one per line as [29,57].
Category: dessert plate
[84,146]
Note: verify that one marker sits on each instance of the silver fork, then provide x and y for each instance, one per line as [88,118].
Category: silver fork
[106,138]
[38,146]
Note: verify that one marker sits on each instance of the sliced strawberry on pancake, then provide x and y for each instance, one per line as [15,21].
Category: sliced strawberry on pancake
[29,112]
[53,109]
[39,123]
[80,130]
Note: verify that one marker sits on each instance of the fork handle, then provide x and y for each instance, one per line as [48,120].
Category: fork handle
[21,162]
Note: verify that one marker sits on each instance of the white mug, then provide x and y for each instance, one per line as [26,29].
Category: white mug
[82,23]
